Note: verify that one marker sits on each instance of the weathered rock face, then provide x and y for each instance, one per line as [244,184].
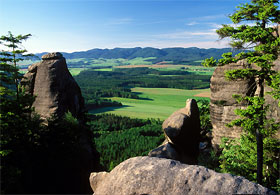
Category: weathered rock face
[54,87]
[57,93]
[148,175]
[222,103]
[182,133]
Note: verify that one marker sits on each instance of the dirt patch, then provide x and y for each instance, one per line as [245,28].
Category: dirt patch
[150,66]
[132,66]
[204,94]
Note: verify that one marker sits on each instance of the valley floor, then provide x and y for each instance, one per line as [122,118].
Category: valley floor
[154,102]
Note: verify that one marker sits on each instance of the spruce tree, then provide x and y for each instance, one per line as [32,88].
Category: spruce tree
[262,45]
[17,126]
[9,59]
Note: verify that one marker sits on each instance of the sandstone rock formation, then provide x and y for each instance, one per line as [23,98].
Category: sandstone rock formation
[182,133]
[55,89]
[156,176]
[56,93]
[222,104]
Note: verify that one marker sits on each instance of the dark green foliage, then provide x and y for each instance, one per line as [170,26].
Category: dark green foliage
[207,157]
[204,112]
[18,128]
[210,159]
[123,138]
[274,83]
[239,158]
[36,158]
[63,159]
[111,122]
[36,155]
[116,147]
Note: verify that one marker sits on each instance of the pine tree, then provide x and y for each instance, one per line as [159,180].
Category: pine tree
[17,127]
[263,48]
[10,75]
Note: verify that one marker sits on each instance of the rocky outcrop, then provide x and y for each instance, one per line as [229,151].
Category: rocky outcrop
[182,135]
[65,164]
[55,89]
[222,103]
[156,176]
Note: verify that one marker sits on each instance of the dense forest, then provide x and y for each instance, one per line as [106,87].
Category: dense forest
[118,138]
[97,85]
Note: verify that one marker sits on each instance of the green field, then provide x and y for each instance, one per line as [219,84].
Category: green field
[90,62]
[154,102]
[76,71]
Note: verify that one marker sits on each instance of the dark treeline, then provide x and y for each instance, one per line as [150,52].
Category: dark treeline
[97,85]
[111,122]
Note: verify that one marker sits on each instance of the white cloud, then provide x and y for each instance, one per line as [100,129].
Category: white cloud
[120,21]
[209,17]
[192,23]
[168,44]
[188,34]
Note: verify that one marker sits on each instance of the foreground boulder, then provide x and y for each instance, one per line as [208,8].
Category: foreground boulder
[156,176]
[55,89]
[182,135]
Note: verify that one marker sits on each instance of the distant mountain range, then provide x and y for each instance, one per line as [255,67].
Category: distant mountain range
[176,55]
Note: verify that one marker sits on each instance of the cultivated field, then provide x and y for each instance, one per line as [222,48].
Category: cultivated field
[167,67]
[154,102]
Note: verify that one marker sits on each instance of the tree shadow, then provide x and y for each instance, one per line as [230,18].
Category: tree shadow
[106,109]
[141,98]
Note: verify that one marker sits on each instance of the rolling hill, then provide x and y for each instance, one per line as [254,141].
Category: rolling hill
[172,55]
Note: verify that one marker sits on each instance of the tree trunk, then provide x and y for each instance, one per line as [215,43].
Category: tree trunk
[259,137]
[259,156]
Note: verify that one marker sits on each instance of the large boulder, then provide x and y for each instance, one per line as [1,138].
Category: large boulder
[55,89]
[182,135]
[156,176]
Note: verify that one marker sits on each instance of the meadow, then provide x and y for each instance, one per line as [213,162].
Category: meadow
[153,103]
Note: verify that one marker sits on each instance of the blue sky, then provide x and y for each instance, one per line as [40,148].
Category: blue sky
[78,25]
